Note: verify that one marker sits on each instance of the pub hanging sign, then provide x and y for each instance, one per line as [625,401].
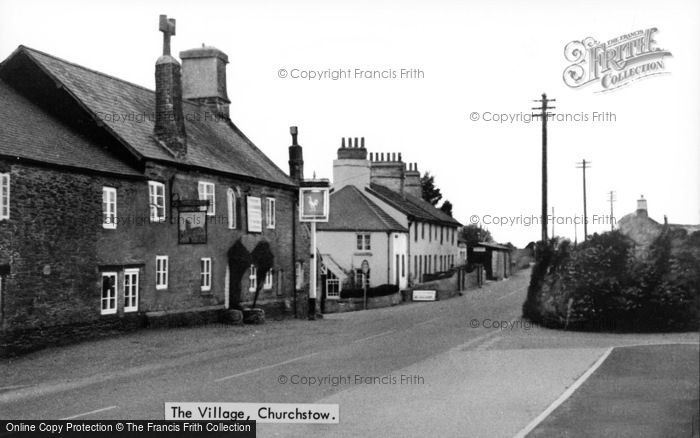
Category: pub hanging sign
[313,204]
[191,220]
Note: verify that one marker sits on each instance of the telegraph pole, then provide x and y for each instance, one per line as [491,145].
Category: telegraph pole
[553,222]
[544,114]
[584,165]
[611,199]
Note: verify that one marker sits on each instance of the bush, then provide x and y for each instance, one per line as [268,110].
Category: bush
[601,284]
[378,291]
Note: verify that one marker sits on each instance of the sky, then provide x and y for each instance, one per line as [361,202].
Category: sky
[476,57]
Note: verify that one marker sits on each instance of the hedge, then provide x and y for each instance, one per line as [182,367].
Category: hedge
[604,284]
[378,291]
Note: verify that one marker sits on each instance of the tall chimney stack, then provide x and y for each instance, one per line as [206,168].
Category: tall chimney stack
[412,184]
[170,121]
[352,166]
[296,157]
[389,173]
[204,79]
[642,207]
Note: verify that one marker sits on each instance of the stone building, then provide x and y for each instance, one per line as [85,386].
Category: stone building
[122,206]
[643,230]
[378,215]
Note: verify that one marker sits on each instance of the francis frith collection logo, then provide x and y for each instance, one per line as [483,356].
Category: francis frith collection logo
[616,62]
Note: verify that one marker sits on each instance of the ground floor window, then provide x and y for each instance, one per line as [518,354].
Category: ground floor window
[205,264]
[109,293]
[253,279]
[161,272]
[299,275]
[332,285]
[131,290]
[268,280]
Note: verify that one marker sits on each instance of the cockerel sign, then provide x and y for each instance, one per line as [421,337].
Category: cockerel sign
[313,204]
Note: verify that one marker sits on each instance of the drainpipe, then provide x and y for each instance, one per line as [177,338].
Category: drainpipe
[295,203]
[388,257]
[408,255]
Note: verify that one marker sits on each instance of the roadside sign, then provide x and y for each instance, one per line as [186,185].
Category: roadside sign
[424,295]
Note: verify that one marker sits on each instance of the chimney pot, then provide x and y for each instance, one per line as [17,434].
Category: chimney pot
[400,157]
[356,142]
[363,142]
[342,142]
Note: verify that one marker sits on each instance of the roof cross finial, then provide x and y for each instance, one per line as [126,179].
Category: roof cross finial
[167,26]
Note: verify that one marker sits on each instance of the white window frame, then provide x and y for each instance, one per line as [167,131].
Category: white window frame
[207,192]
[269,280]
[332,280]
[131,290]
[162,266]
[109,208]
[205,267]
[270,213]
[108,310]
[4,196]
[253,279]
[299,275]
[231,203]
[365,241]
[156,201]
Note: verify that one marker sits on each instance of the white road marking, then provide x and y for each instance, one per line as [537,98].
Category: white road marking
[374,336]
[562,398]
[488,343]
[266,367]
[7,388]
[426,322]
[509,294]
[90,413]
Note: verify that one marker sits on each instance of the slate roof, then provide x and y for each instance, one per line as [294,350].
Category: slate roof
[212,144]
[351,210]
[29,132]
[412,206]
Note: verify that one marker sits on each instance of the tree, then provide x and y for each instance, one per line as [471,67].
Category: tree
[446,207]
[429,191]
[472,234]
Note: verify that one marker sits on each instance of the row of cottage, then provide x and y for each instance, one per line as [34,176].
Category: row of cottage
[118,203]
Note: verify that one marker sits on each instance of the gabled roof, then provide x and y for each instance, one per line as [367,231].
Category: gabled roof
[351,210]
[413,207]
[495,246]
[212,144]
[28,132]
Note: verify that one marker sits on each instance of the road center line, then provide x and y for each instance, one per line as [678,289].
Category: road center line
[426,322]
[565,395]
[507,295]
[266,367]
[90,413]
[374,336]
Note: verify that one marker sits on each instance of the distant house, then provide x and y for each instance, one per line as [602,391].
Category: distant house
[378,215]
[643,230]
[359,231]
[120,203]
